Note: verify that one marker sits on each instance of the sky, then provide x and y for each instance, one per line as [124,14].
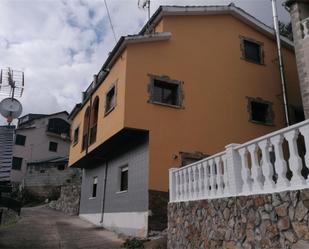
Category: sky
[60,44]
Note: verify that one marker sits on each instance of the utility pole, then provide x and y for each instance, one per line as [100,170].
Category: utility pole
[281,66]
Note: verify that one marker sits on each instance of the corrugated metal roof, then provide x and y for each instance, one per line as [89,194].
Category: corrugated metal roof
[6,151]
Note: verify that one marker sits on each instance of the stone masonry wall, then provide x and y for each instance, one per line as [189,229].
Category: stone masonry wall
[69,199]
[265,221]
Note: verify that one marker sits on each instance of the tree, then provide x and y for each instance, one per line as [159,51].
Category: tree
[286,30]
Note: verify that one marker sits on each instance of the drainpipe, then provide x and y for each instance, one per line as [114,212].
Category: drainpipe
[104,194]
[282,75]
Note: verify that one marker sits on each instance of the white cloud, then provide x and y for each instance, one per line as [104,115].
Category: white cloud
[61,44]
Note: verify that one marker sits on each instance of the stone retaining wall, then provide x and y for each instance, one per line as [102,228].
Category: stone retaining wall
[265,221]
[69,199]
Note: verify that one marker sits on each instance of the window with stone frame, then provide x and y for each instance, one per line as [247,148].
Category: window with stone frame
[260,111]
[252,50]
[165,91]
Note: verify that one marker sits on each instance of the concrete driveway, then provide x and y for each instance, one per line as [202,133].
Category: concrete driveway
[43,228]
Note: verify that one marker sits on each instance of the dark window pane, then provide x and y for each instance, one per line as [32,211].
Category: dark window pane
[16,163]
[259,111]
[94,187]
[76,133]
[53,146]
[20,139]
[124,179]
[166,93]
[110,100]
[61,167]
[252,51]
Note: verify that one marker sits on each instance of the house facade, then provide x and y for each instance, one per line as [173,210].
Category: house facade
[193,80]
[39,137]
[299,10]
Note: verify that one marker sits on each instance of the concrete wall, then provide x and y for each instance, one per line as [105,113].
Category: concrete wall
[269,221]
[125,212]
[300,11]
[48,175]
[37,146]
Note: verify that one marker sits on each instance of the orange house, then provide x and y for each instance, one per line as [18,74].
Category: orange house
[192,81]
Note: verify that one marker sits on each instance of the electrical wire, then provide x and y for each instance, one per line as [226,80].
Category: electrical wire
[110,21]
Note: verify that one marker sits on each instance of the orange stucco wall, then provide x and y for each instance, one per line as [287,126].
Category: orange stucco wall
[107,125]
[204,53]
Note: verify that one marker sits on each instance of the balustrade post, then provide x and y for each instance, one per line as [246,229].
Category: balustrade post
[233,164]
[172,184]
[255,168]
[268,171]
[294,160]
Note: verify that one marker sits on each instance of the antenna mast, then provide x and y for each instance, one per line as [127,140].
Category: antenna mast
[282,75]
[143,4]
[11,85]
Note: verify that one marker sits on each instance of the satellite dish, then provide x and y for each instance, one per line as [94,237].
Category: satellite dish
[10,108]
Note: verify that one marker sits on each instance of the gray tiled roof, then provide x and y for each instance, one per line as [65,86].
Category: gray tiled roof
[6,151]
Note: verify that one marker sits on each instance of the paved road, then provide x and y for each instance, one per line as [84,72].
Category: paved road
[43,228]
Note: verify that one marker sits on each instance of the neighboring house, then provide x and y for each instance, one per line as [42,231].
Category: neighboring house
[39,137]
[193,80]
[44,178]
[299,10]
[6,148]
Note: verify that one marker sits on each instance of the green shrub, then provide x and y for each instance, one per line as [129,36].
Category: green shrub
[133,244]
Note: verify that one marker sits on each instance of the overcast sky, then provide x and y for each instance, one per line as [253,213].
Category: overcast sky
[60,44]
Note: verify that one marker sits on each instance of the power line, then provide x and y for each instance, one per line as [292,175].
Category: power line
[110,21]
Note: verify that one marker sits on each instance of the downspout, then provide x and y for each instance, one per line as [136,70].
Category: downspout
[281,66]
[104,193]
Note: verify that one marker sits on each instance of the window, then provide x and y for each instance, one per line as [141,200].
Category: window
[53,146]
[94,120]
[261,111]
[86,128]
[61,167]
[16,163]
[252,50]
[124,179]
[76,134]
[165,91]
[94,187]
[20,140]
[110,100]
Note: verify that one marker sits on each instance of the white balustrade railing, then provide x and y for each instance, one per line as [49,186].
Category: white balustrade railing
[305,25]
[272,163]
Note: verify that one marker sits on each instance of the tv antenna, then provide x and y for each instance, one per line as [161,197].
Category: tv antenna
[11,85]
[145,4]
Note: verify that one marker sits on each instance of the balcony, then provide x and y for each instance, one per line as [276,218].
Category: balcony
[58,126]
[273,163]
[305,25]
